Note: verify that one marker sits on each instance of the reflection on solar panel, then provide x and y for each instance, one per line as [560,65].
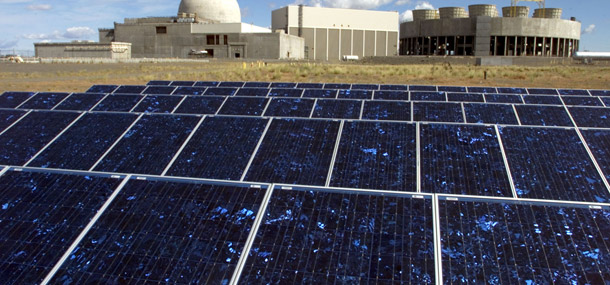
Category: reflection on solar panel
[387,184]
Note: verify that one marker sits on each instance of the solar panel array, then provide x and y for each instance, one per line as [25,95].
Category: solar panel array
[259,182]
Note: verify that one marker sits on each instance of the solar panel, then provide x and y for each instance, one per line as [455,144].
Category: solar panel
[247,106]
[231,84]
[206,84]
[573,92]
[387,110]
[599,144]
[542,100]
[183,83]
[127,89]
[490,114]
[253,92]
[320,93]
[485,90]
[582,101]
[80,101]
[158,104]
[159,83]
[286,92]
[428,96]
[438,112]
[606,101]
[337,109]
[8,117]
[221,91]
[509,99]
[591,117]
[391,95]
[365,86]
[257,84]
[288,107]
[422,88]
[310,85]
[184,90]
[14,99]
[102,89]
[600,92]
[200,105]
[337,86]
[355,94]
[512,90]
[159,90]
[118,103]
[283,85]
[543,115]
[465,97]
[452,89]
[394,87]
[44,100]
[542,91]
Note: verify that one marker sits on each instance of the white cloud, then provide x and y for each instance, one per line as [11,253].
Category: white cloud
[6,44]
[408,15]
[70,33]
[402,2]
[39,7]
[589,30]
[350,4]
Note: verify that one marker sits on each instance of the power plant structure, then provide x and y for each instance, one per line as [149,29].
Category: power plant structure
[482,32]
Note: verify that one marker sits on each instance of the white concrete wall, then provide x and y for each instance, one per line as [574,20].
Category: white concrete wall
[317,17]
[231,28]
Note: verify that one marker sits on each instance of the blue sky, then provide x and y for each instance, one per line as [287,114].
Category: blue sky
[24,22]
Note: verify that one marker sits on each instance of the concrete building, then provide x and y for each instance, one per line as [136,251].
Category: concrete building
[481,32]
[332,34]
[78,49]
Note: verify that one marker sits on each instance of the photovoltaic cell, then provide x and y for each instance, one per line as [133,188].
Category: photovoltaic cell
[422,88]
[253,92]
[44,101]
[428,96]
[606,100]
[246,106]
[509,90]
[320,93]
[387,110]
[438,112]
[394,87]
[159,83]
[337,109]
[506,243]
[134,152]
[452,89]
[465,160]
[14,99]
[200,105]
[23,140]
[543,115]
[552,164]
[376,155]
[573,92]
[600,92]
[337,86]
[465,97]
[183,83]
[392,95]
[80,101]
[231,84]
[501,98]
[206,84]
[213,152]
[485,90]
[8,117]
[490,114]
[130,89]
[42,214]
[542,99]
[365,86]
[159,90]
[355,94]
[221,91]
[599,143]
[158,104]
[166,232]
[257,84]
[286,92]
[540,91]
[118,103]
[102,89]
[310,85]
[310,237]
[283,85]
[184,90]
[295,152]
[288,107]
[591,117]
[582,101]
[85,142]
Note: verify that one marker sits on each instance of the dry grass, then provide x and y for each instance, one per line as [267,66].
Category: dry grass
[79,77]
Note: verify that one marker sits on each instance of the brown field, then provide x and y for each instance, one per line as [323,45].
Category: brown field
[79,77]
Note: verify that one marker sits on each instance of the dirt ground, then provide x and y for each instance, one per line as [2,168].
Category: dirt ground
[64,77]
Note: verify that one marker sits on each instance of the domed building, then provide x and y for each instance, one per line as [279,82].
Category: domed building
[213,11]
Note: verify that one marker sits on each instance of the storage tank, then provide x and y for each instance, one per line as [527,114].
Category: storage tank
[516,12]
[425,14]
[482,10]
[453,12]
[549,13]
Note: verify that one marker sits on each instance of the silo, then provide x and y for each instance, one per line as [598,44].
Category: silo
[516,11]
[482,10]
[425,14]
[549,13]
[453,12]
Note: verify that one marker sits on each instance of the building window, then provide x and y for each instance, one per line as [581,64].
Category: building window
[162,30]
[226,38]
[210,39]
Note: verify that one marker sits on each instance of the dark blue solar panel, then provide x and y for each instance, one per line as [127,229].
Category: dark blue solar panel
[485,90]
[422,88]
[591,117]
[184,90]
[206,84]
[318,237]
[573,92]
[543,116]
[452,89]
[542,99]
[552,164]
[337,109]
[80,101]
[606,100]
[85,142]
[337,86]
[510,243]
[283,85]
[183,83]
[387,110]
[134,154]
[428,96]
[285,92]
[158,104]
[490,114]
[391,95]
[438,112]
[295,152]
[310,85]
[221,91]
[166,232]
[159,90]
[582,101]
[394,87]
[200,105]
[231,84]
[102,89]
[465,97]
[376,155]
[42,214]
[320,93]
[23,140]
[498,98]
[355,94]
[600,92]
[257,84]
[127,89]
[287,107]
[119,103]
[247,106]
[212,151]
[465,160]
[365,86]
[253,92]
[540,91]
[599,143]
[159,83]
[44,101]
[8,117]
[508,90]
[14,99]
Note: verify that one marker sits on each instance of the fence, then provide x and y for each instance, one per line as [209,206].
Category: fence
[22,53]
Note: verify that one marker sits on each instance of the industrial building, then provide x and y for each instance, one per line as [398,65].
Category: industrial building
[481,32]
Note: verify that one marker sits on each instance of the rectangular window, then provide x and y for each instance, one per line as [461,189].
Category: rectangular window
[226,38]
[210,39]
[162,30]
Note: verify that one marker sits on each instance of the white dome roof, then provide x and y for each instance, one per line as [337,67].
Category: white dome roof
[217,11]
